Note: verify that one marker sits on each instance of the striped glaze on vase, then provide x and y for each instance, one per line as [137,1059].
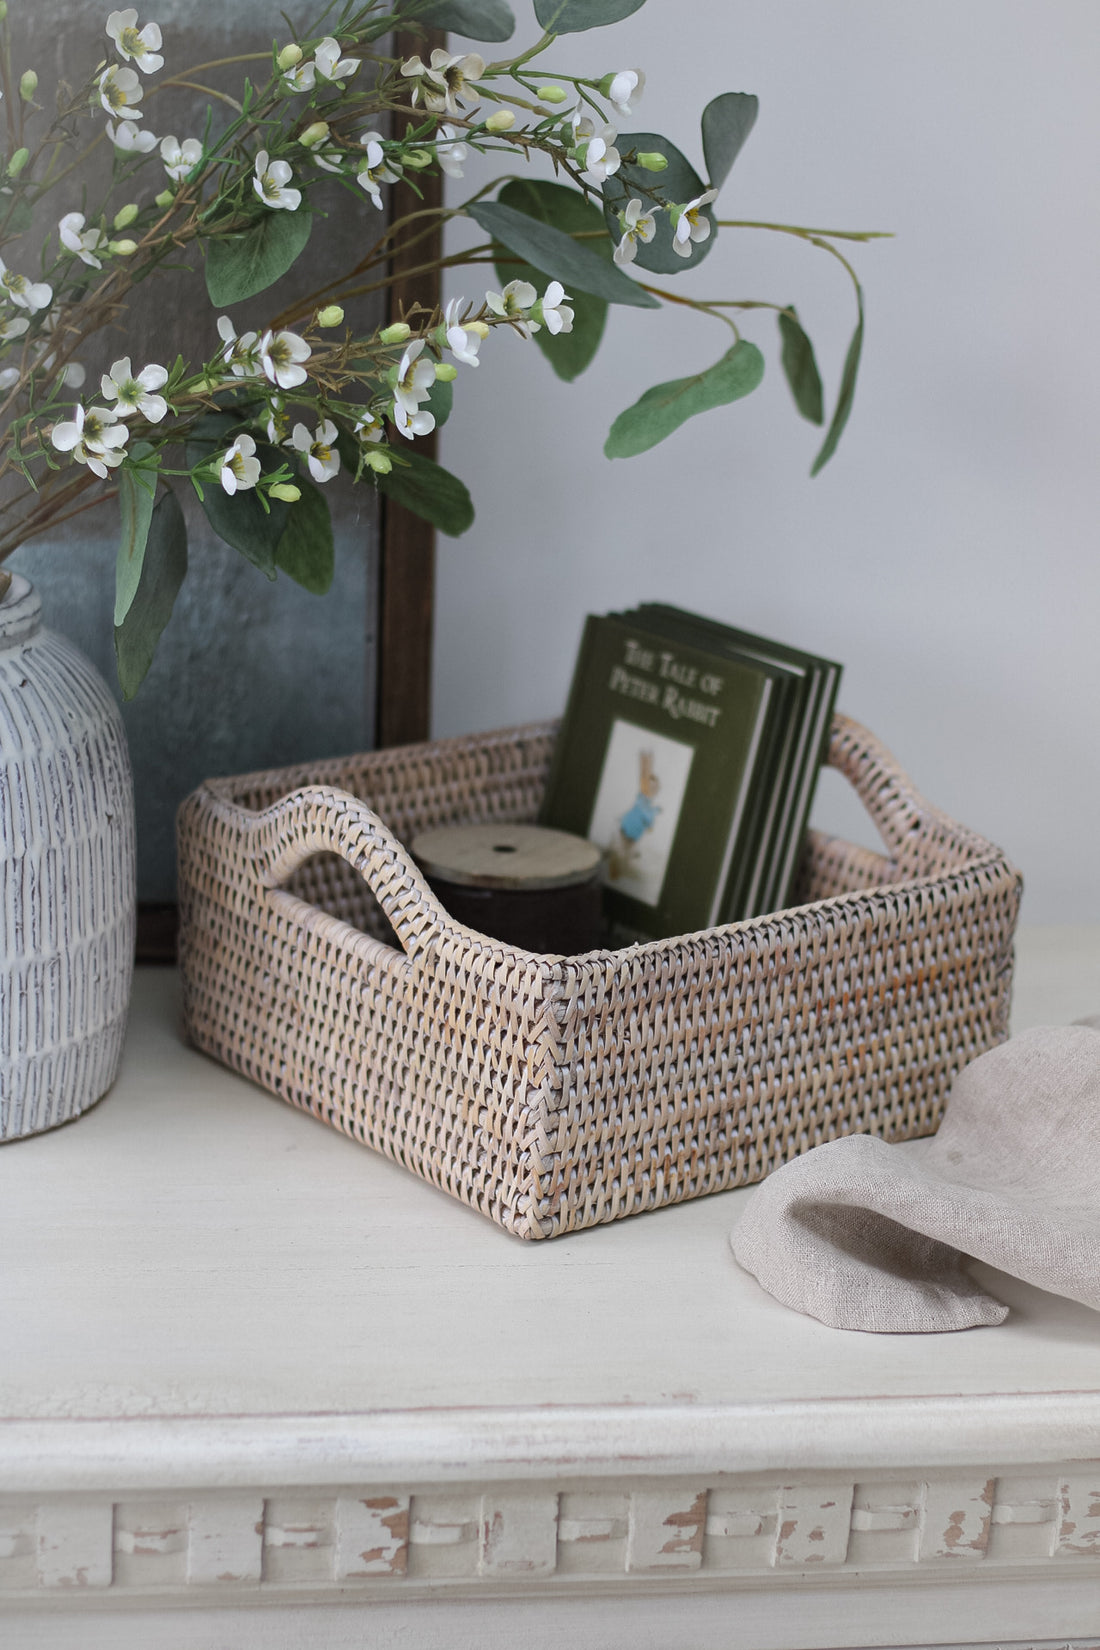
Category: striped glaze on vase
[67,882]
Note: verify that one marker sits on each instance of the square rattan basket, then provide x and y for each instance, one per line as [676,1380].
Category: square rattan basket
[553,1093]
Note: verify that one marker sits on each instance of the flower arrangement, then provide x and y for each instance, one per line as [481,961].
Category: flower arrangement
[260,423]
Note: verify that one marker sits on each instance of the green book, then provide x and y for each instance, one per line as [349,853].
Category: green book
[660,749]
[770,884]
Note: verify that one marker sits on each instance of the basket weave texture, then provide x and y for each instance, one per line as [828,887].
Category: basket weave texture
[553,1093]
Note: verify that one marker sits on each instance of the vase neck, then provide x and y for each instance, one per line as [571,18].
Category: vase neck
[20,612]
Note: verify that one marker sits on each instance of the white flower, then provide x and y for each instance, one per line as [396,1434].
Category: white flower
[450,154]
[131,394]
[9,377]
[238,469]
[412,423]
[84,242]
[368,427]
[689,224]
[129,139]
[626,84]
[415,378]
[119,90]
[13,326]
[556,315]
[513,303]
[277,420]
[324,460]
[637,226]
[32,295]
[583,127]
[599,159]
[464,345]
[374,170]
[270,183]
[138,48]
[180,158]
[241,355]
[280,353]
[443,85]
[93,437]
[73,376]
[330,65]
[301,78]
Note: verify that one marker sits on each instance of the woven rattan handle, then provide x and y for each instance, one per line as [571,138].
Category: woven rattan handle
[903,817]
[318,820]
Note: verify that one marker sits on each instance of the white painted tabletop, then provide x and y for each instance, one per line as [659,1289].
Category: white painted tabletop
[195,1246]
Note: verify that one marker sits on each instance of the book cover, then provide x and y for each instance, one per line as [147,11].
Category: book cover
[659,750]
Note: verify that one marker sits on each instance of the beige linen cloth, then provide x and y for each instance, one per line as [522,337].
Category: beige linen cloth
[863,1235]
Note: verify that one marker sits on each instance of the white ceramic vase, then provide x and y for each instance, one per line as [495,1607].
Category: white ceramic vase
[67,893]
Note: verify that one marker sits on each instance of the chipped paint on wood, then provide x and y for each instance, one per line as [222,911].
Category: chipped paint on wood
[592,1529]
[812,1524]
[957,1517]
[151,1539]
[666,1530]
[519,1535]
[74,1542]
[225,1540]
[372,1536]
[1079,1522]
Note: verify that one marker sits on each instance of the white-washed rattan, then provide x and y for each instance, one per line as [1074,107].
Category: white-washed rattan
[553,1093]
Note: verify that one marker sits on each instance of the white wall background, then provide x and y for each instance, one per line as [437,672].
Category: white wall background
[948,554]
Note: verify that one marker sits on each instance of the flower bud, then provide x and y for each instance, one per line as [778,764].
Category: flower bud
[396,334]
[17,162]
[653,161]
[552,94]
[502,121]
[289,57]
[286,491]
[479,327]
[330,316]
[314,134]
[375,460]
[417,159]
[446,372]
[125,215]
[28,85]
[121,249]
[165,198]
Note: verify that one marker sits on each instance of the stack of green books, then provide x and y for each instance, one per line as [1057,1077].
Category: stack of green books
[689,753]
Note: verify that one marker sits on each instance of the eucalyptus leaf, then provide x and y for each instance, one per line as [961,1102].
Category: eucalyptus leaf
[239,518]
[239,266]
[666,406]
[554,203]
[558,256]
[678,184]
[136,492]
[845,395]
[727,122]
[306,551]
[801,367]
[473,19]
[574,16]
[430,491]
[163,570]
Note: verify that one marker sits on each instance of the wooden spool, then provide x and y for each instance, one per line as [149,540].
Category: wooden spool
[524,884]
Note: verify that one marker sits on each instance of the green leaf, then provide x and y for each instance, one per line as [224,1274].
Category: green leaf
[473,19]
[163,570]
[559,256]
[239,518]
[846,394]
[727,122]
[440,401]
[428,490]
[569,352]
[574,16]
[801,368]
[678,183]
[306,551]
[666,406]
[137,486]
[239,266]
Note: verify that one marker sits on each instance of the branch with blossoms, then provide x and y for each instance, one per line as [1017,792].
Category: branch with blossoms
[264,419]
